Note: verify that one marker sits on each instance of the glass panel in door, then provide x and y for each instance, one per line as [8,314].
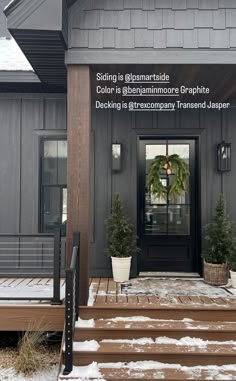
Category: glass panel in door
[166,215]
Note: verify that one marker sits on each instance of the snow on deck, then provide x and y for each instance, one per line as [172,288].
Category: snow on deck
[168,286]
[27,288]
[160,291]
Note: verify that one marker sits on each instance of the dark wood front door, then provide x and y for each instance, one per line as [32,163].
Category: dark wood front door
[167,226]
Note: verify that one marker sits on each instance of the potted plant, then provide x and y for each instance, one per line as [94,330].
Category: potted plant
[121,242]
[220,244]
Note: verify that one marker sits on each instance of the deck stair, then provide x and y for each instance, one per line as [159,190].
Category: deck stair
[190,342]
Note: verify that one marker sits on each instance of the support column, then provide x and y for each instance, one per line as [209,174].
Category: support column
[78,168]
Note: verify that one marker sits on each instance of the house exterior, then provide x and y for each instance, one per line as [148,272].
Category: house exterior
[92,62]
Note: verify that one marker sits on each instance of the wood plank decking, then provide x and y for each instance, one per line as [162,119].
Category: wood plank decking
[107,300]
[108,293]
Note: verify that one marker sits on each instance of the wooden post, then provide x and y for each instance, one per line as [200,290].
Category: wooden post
[78,168]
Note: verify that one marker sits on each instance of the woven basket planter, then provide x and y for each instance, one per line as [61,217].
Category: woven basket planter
[216,274]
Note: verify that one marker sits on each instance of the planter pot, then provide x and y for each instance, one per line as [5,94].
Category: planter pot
[216,274]
[233,278]
[121,268]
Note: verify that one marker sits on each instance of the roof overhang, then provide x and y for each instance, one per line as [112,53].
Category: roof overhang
[40,29]
[24,82]
[18,77]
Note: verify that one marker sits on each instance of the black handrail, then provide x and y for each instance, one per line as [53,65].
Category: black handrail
[71,302]
[56,263]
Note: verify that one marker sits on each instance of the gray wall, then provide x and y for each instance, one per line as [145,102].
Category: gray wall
[23,120]
[123,126]
[135,24]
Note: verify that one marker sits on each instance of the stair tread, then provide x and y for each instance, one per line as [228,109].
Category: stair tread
[214,305]
[155,374]
[196,312]
[153,371]
[159,324]
[113,347]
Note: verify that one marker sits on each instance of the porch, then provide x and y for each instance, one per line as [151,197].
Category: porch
[145,307]
[108,298]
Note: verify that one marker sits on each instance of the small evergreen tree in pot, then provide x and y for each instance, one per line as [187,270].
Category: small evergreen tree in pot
[220,244]
[121,237]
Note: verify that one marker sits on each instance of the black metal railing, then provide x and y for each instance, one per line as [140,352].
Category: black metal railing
[32,255]
[71,302]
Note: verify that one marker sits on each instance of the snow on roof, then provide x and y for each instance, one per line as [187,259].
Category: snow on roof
[11,56]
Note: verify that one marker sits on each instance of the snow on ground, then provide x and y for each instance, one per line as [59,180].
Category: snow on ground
[7,374]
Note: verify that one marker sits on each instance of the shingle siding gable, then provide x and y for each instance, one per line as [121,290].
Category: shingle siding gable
[153,24]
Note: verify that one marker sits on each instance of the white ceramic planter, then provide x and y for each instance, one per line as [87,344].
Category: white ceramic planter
[121,268]
[233,278]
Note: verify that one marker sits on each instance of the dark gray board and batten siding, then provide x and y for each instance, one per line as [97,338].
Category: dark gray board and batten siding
[125,127]
[23,120]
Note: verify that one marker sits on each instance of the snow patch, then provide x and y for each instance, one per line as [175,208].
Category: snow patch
[188,341]
[85,372]
[144,318]
[131,318]
[141,341]
[184,341]
[88,345]
[167,287]
[192,341]
[92,295]
[140,365]
[84,323]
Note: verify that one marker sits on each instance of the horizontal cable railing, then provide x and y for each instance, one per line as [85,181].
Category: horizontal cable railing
[32,255]
[71,302]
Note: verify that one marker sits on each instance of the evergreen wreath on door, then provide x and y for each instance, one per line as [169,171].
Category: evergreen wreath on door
[173,164]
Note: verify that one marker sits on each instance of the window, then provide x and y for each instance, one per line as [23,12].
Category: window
[53,185]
